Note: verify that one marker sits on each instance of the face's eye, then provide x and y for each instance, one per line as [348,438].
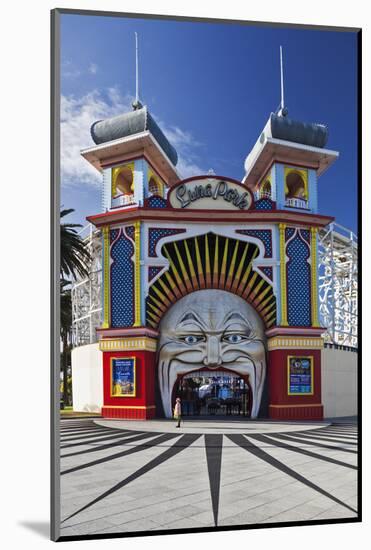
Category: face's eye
[234,338]
[192,339]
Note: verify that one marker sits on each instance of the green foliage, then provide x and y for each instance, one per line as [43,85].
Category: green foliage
[75,259]
[75,256]
[66,308]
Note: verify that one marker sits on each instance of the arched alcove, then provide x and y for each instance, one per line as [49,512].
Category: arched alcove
[123,181]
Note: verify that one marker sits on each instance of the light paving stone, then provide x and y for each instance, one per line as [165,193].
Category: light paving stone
[176,494]
[95,526]
[133,526]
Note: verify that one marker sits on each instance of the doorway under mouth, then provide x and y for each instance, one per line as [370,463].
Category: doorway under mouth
[213,393]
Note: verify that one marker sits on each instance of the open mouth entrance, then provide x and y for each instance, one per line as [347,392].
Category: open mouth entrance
[213,393]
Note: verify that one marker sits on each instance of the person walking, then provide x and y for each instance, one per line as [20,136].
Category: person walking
[178,411]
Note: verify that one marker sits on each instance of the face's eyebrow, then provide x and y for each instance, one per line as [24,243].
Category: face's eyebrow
[192,318]
[235,316]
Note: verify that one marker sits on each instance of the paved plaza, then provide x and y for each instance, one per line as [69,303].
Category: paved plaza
[126,476]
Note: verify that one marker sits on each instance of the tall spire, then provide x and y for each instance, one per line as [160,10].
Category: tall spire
[283,110]
[137,104]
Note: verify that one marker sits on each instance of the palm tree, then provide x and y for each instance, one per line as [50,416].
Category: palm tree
[75,259]
[75,256]
[66,328]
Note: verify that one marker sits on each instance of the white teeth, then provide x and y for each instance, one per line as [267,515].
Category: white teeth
[166,391]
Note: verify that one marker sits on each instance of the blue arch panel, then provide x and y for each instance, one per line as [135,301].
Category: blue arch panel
[122,283]
[298,283]
[265,235]
[157,233]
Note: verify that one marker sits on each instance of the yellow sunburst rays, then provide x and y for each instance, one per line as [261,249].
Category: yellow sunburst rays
[183,269]
[216,264]
[169,293]
[242,284]
[249,286]
[207,263]
[153,320]
[173,285]
[182,288]
[165,300]
[264,305]
[193,275]
[254,293]
[223,268]
[267,309]
[194,279]
[199,264]
[156,312]
[239,269]
[259,303]
[158,307]
[270,318]
[229,281]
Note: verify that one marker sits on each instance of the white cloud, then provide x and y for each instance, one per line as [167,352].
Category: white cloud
[186,169]
[187,148]
[69,70]
[93,68]
[77,116]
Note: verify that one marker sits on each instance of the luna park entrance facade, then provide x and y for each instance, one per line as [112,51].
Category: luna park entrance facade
[213,393]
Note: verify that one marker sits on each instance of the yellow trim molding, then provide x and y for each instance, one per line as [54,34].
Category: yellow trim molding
[106,276]
[284,322]
[125,344]
[138,319]
[314,286]
[293,342]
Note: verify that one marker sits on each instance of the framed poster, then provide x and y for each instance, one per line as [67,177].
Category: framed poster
[196,248]
[300,375]
[123,377]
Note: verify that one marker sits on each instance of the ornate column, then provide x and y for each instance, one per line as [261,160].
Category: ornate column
[106,276]
[137,310]
[314,282]
[284,321]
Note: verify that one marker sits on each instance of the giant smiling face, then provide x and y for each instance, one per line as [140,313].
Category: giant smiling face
[213,329]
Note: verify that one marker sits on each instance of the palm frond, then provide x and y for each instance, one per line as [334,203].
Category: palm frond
[75,256]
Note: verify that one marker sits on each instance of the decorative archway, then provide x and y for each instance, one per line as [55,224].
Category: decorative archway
[210,261]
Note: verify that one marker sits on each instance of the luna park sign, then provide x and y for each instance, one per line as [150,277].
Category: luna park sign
[208,193]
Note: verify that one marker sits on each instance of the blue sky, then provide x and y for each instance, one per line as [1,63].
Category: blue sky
[211,87]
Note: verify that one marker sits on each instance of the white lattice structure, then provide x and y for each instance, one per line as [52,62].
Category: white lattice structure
[337,260]
[87,293]
[338,290]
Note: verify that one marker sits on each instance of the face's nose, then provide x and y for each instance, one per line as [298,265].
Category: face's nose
[212,358]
